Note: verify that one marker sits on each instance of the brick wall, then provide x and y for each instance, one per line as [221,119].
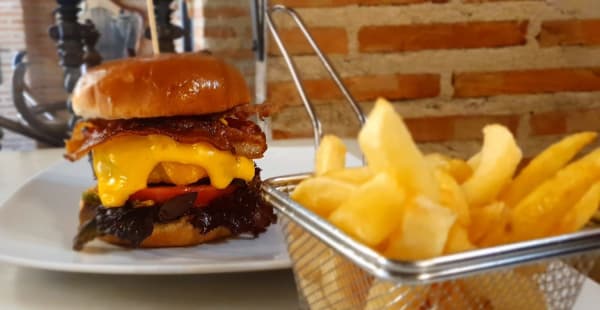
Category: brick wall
[225,28]
[450,66]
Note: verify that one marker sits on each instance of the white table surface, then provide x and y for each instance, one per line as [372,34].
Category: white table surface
[24,288]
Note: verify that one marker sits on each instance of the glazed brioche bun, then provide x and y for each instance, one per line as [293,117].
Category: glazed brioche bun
[166,85]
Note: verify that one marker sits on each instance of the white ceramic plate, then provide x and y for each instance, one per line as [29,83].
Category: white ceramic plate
[38,222]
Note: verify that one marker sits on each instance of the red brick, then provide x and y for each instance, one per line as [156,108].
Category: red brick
[570,32]
[363,88]
[431,129]
[548,123]
[337,3]
[395,87]
[565,121]
[393,2]
[469,127]
[10,13]
[457,127]
[399,38]
[225,12]
[484,1]
[219,32]
[437,128]
[331,40]
[582,120]
[313,3]
[234,54]
[5,29]
[482,84]
[278,134]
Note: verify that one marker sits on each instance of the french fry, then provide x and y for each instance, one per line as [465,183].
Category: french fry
[484,220]
[458,240]
[322,195]
[506,291]
[500,156]
[356,176]
[384,294]
[453,197]
[443,296]
[316,299]
[533,270]
[309,279]
[453,295]
[540,211]
[330,156]
[581,212]
[437,161]
[474,161]
[545,165]
[409,206]
[458,169]
[497,234]
[338,281]
[423,232]
[389,147]
[372,212]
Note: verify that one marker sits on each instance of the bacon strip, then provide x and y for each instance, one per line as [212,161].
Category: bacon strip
[239,136]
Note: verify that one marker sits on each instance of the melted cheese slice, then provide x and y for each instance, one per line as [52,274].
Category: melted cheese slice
[176,173]
[123,164]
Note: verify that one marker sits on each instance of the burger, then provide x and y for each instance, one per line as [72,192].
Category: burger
[172,148]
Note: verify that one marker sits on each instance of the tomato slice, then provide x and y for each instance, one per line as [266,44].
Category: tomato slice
[160,194]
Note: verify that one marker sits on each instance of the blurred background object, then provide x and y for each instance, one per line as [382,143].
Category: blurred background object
[1,66]
[48,37]
[448,66]
[167,32]
[72,35]
[46,123]
[75,35]
[121,29]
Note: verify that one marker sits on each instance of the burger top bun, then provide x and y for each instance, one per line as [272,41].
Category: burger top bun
[166,85]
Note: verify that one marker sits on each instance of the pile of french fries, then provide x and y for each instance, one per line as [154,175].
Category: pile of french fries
[409,206]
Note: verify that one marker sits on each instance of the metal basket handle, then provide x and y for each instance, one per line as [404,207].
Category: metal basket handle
[316,124]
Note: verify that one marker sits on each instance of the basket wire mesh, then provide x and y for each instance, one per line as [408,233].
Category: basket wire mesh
[334,272]
[543,274]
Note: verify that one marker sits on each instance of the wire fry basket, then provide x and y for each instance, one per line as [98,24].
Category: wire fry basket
[333,271]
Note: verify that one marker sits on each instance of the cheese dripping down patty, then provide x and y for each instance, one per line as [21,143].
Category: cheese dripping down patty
[123,164]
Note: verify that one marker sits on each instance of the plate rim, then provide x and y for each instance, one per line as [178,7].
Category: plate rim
[163,269]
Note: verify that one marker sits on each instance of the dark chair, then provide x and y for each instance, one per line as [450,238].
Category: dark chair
[49,123]
[42,122]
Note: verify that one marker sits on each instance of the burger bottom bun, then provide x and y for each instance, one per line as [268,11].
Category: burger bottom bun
[178,233]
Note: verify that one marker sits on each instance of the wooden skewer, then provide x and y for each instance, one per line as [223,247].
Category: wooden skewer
[152,23]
